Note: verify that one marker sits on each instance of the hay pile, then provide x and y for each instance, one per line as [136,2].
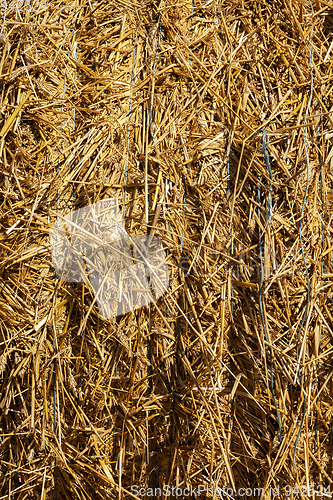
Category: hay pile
[222,382]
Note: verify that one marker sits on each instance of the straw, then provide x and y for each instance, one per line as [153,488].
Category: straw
[226,379]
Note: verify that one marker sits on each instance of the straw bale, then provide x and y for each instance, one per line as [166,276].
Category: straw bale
[222,381]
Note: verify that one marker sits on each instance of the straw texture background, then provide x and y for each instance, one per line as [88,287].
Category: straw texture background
[221,382]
